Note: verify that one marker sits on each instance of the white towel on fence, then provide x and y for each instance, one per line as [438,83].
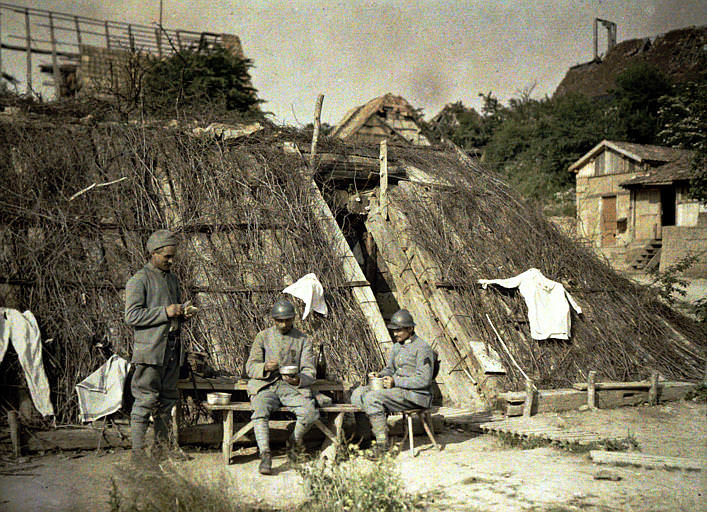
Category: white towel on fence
[548,311]
[22,331]
[101,393]
[311,292]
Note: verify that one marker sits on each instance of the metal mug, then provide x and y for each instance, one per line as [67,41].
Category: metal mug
[376,383]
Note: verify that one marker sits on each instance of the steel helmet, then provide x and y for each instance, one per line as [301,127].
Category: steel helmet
[282,310]
[401,318]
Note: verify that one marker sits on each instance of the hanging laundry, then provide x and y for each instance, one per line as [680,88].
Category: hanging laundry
[311,292]
[548,310]
[101,393]
[22,331]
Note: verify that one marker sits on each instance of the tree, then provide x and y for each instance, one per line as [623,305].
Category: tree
[636,99]
[683,117]
[198,76]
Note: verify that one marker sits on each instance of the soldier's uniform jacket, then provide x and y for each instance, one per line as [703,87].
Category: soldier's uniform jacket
[293,348]
[147,295]
[412,367]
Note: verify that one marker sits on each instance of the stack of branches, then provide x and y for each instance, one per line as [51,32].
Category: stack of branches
[243,215]
[475,227]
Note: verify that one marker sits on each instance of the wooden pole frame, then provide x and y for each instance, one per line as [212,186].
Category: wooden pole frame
[383,190]
[28,38]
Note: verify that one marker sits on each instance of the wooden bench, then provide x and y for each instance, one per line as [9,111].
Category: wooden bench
[229,438]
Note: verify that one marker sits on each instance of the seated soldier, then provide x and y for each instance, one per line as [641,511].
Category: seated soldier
[407,378]
[274,348]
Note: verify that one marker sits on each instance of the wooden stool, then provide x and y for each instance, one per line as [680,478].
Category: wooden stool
[425,416]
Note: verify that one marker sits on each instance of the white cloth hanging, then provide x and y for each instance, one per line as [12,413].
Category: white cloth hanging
[548,311]
[311,292]
[101,393]
[22,331]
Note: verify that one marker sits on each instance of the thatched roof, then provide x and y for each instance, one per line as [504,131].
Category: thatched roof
[245,216]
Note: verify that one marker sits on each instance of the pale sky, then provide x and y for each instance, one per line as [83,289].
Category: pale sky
[432,53]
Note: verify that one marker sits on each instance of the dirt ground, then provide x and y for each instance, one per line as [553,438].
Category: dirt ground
[473,472]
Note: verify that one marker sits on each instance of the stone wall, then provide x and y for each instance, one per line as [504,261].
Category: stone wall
[680,242]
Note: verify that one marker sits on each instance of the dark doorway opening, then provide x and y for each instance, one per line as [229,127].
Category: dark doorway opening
[667,204]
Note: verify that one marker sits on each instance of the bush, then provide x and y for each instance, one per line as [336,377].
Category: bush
[356,484]
[199,76]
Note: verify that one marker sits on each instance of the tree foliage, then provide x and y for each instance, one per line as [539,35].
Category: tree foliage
[636,101]
[683,121]
[198,76]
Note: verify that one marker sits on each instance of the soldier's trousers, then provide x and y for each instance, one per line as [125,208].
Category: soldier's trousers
[381,401]
[268,400]
[154,388]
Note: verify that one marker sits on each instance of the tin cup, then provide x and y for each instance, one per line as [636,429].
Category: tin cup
[376,383]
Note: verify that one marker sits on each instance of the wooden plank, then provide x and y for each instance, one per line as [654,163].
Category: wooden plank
[582,386]
[555,400]
[352,271]
[317,126]
[383,190]
[646,460]
[409,295]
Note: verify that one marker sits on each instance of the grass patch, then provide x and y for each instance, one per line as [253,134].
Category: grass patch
[357,482]
[627,443]
[698,393]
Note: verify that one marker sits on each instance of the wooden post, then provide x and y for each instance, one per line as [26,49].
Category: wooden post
[29,52]
[158,38]
[529,393]
[591,390]
[383,191]
[14,432]
[78,30]
[179,40]
[227,433]
[55,60]
[317,127]
[131,39]
[0,44]
[107,35]
[653,391]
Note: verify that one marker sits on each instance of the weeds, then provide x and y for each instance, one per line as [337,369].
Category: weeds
[357,483]
[627,443]
[698,393]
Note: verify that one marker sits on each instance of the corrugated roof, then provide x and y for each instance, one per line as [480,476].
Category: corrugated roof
[677,170]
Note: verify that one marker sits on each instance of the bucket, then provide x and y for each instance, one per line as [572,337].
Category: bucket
[376,383]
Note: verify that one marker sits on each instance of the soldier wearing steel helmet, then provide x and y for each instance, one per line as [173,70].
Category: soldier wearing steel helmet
[407,378]
[274,348]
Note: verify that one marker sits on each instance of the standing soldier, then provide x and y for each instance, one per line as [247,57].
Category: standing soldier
[271,384]
[407,379]
[153,309]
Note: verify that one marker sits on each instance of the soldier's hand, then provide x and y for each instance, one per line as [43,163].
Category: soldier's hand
[271,366]
[292,380]
[388,382]
[175,310]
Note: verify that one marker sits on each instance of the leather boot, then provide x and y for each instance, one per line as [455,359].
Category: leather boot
[265,467]
[379,427]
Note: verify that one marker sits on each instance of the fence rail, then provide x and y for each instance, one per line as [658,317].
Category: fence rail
[43,32]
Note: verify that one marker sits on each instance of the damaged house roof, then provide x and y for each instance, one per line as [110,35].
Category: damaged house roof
[678,54]
[387,116]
